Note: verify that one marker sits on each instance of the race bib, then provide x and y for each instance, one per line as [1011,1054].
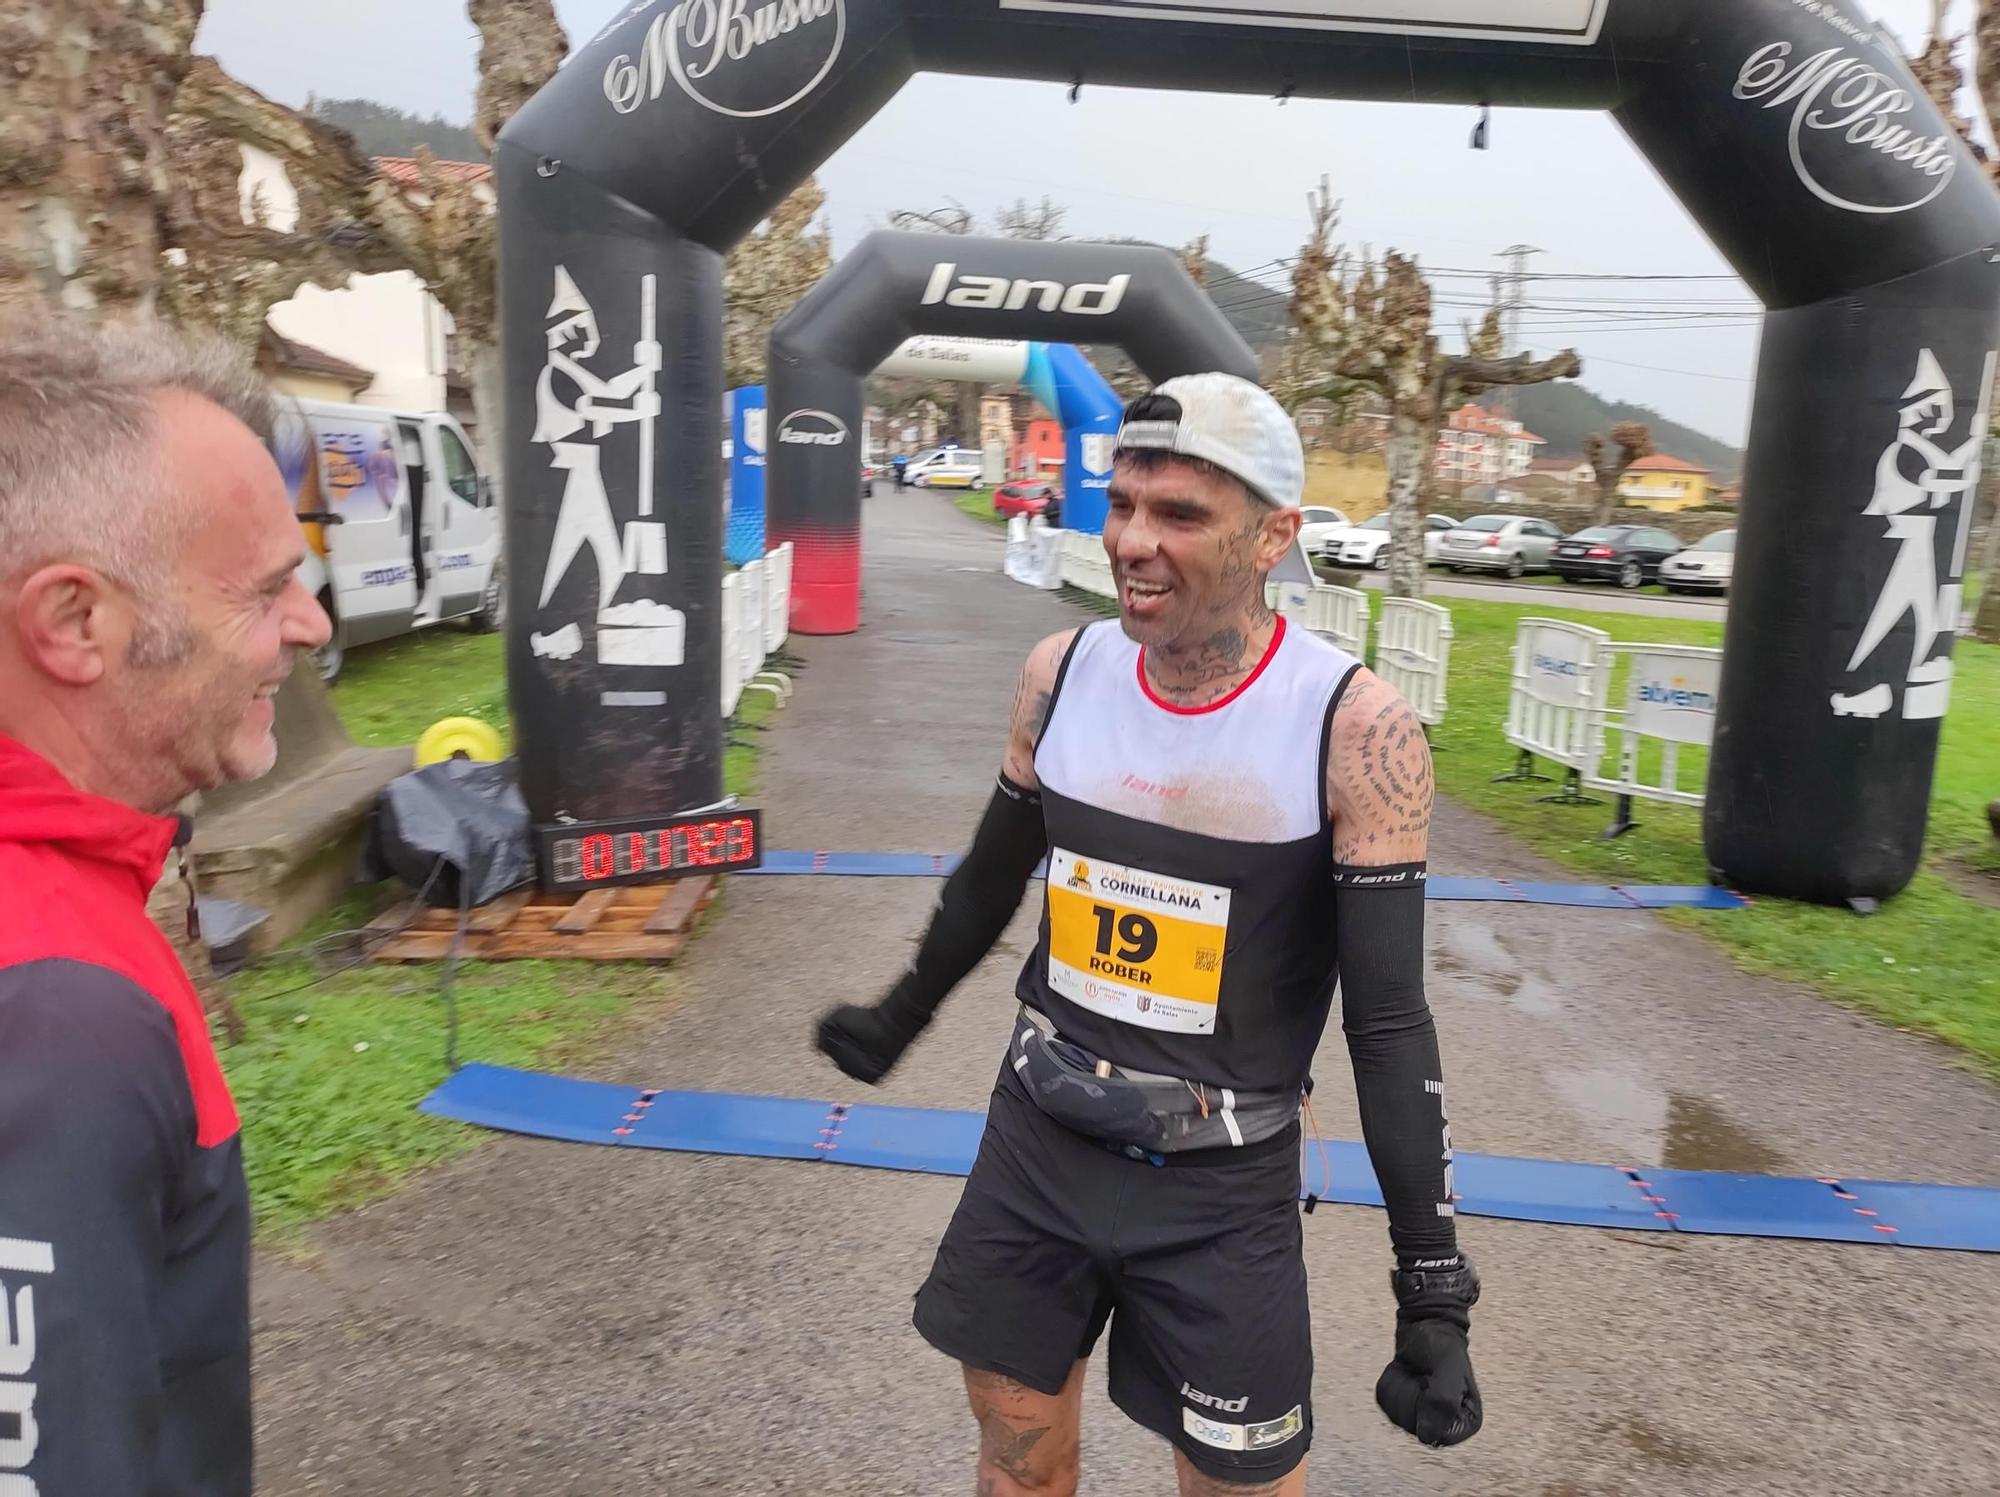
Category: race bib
[1136,946]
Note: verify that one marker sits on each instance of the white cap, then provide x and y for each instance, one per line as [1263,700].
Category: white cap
[1234,424]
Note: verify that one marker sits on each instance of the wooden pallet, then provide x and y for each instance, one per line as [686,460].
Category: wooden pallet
[635,923]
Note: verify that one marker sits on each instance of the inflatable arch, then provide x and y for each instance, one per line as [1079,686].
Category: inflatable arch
[1789,129]
[1056,374]
[893,285]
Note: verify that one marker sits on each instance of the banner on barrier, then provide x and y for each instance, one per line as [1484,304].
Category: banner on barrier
[1558,657]
[1672,696]
[1553,701]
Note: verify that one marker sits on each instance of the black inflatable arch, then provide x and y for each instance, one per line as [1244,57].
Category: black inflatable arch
[893,286]
[1788,128]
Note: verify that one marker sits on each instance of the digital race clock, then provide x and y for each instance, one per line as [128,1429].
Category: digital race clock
[649,849]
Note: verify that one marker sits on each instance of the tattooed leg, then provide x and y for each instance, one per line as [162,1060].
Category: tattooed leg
[1195,1484]
[1027,1440]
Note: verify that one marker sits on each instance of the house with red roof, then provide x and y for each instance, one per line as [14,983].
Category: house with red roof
[1477,446]
[1664,482]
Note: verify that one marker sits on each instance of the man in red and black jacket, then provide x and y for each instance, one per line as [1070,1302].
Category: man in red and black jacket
[149,609]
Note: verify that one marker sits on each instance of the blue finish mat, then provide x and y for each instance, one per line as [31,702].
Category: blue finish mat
[938,1142]
[1590,896]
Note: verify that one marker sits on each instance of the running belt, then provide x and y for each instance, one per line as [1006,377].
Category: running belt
[938,1142]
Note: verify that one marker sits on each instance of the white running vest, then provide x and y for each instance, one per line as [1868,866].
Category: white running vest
[1187,924]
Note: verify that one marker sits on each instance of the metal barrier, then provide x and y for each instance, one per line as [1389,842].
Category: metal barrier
[1413,654]
[1341,614]
[777,598]
[1670,695]
[1553,700]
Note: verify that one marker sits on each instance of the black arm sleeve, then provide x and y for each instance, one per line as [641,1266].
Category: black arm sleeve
[94,1111]
[1379,935]
[978,900]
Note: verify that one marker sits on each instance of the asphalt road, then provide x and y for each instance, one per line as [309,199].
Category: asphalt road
[544,1318]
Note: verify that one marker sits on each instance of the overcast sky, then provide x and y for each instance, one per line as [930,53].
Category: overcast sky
[1168,167]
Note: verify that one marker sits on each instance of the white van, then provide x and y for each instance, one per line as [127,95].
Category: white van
[401,524]
[947,467]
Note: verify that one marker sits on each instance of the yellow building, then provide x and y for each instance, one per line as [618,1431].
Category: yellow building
[1663,482]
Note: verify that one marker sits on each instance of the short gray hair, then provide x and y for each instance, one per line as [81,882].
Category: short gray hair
[78,420]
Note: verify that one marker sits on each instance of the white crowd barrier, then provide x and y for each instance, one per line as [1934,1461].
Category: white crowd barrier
[777,598]
[1341,614]
[1669,700]
[1552,702]
[732,654]
[1034,553]
[1084,564]
[756,619]
[1413,654]
[750,624]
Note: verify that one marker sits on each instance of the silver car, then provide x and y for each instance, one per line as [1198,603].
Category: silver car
[1511,544]
[1367,545]
[1704,567]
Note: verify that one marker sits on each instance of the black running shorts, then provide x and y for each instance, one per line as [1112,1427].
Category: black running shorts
[1196,1265]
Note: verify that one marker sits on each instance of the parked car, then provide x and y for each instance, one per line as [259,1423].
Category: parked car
[1704,567]
[1512,544]
[1629,555]
[1367,544]
[1319,521]
[1027,496]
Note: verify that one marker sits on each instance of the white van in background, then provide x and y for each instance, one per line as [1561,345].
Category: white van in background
[946,467]
[401,525]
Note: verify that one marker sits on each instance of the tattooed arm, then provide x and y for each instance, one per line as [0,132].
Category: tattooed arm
[1378,787]
[1031,708]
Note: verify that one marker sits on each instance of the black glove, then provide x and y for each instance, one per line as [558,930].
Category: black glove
[1429,1390]
[866,1040]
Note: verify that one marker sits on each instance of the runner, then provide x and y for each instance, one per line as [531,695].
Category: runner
[1233,813]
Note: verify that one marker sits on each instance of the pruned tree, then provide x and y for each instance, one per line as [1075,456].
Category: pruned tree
[83,146]
[766,274]
[1370,327]
[1630,441]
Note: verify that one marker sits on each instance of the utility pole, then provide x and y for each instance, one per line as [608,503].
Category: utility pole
[1510,294]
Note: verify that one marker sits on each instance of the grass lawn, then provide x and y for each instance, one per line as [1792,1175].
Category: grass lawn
[337,1051]
[1929,961]
[977,503]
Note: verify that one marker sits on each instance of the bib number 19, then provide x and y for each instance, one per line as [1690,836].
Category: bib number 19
[1140,938]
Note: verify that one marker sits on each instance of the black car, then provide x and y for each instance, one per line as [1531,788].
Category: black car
[1629,555]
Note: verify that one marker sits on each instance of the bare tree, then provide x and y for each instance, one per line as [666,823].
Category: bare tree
[1194,260]
[1371,327]
[1025,220]
[1630,441]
